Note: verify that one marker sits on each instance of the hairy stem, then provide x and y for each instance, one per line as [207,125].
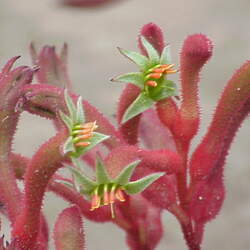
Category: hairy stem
[42,166]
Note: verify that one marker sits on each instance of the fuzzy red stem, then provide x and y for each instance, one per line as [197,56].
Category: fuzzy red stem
[68,231]
[41,168]
[197,49]
[10,83]
[230,112]
[189,237]
[129,129]
[167,111]
[10,193]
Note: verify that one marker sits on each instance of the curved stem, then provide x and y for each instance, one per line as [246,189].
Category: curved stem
[9,192]
[42,166]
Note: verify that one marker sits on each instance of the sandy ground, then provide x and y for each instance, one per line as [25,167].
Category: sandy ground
[93,36]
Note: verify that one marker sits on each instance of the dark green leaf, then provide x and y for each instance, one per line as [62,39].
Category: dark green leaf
[80,118]
[101,173]
[140,104]
[68,122]
[70,105]
[151,51]
[166,89]
[83,181]
[124,177]
[142,61]
[138,186]
[133,77]
[165,56]
[68,146]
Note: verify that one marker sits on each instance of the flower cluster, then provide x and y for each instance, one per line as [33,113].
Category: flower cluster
[141,168]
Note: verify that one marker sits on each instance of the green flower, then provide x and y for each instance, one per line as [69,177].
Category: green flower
[81,135]
[151,79]
[105,190]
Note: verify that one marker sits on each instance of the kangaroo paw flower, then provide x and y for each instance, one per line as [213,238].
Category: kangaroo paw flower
[151,79]
[104,190]
[81,134]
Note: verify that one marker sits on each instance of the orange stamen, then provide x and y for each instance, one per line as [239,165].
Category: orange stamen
[95,202]
[154,75]
[82,144]
[85,131]
[171,71]
[158,70]
[151,83]
[86,136]
[119,195]
[167,66]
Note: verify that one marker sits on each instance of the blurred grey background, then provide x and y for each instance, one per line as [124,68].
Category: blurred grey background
[93,35]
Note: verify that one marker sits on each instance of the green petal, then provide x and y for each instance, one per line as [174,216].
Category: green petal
[101,173]
[142,61]
[84,182]
[70,105]
[124,177]
[68,122]
[164,90]
[68,145]
[151,51]
[77,163]
[138,186]
[80,118]
[94,140]
[140,104]
[133,77]
[165,56]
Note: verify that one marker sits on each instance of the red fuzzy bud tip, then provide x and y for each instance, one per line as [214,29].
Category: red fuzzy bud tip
[197,48]
[154,35]
[196,51]
[151,83]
